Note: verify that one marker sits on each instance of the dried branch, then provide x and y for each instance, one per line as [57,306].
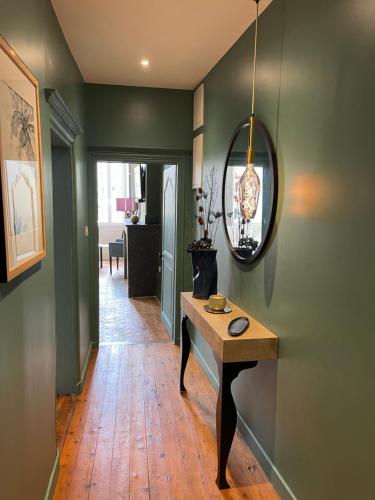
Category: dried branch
[207,217]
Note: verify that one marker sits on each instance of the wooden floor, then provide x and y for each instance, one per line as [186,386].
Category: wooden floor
[132,435]
[133,321]
[65,406]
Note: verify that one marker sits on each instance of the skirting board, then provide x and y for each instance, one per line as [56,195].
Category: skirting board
[53,477]
[269,468]
[84,371]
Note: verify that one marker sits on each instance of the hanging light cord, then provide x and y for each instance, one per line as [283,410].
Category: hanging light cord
[250,156]
[255,58]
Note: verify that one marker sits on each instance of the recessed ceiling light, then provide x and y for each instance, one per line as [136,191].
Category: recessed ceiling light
[145,62]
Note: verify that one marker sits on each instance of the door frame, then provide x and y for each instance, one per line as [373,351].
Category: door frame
[180,158]
[75,385]
[164,317]
[66,128]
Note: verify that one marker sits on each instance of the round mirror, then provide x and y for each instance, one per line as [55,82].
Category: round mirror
[249,195]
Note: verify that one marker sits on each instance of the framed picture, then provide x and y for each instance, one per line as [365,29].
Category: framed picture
[22,225]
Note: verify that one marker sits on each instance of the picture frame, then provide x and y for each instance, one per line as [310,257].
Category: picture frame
[22,218]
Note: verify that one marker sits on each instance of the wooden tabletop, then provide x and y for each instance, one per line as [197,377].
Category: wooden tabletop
[256,344]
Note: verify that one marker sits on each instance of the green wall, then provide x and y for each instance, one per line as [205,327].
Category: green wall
[312,411]
[139,117]
[152,124]
[27,336]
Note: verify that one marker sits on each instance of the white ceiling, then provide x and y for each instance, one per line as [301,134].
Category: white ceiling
[182,39]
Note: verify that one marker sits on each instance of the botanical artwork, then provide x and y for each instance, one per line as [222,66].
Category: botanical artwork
[22,127]
[21,182]
[22,191]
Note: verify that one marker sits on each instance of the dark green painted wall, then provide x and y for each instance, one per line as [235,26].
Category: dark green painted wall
[136,120]
[61,72]
[313,411]
[139,117]
[27,337]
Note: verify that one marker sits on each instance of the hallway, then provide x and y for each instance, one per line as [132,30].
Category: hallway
[132,435]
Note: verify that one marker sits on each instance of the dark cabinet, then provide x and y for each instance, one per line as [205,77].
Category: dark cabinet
[142,249]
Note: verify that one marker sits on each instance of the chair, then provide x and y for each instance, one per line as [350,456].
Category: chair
[116,249]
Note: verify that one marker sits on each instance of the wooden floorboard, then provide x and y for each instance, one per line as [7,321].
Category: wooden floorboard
[132,435]
[157,468]
[65,405]
[120,474]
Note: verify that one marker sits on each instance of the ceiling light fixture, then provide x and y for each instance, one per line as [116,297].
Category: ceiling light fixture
[249,184]
[145,62]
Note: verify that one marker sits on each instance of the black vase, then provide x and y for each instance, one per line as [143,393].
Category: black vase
[204,273]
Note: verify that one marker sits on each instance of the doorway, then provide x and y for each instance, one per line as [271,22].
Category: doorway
[171,237]
[66,307]
[128,256]
[69,379]
[66,318]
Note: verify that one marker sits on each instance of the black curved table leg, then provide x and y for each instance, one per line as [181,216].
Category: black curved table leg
[226,415]
[185,351]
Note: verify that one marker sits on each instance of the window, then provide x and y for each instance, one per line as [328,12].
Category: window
[116,180]
[113,182]
[102,192]
[118,188]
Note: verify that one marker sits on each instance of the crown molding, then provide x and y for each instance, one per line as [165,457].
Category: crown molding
[62,119]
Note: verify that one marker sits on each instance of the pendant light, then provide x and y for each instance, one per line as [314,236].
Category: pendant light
[249,184]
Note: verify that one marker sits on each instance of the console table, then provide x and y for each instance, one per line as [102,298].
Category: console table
[232,354]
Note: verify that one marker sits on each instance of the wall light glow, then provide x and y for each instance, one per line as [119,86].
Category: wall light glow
[309,195]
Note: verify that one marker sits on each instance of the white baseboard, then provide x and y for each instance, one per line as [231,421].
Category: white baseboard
[53,477]
[84,371]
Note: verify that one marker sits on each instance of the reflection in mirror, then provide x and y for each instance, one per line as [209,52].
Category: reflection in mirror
[248,197]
